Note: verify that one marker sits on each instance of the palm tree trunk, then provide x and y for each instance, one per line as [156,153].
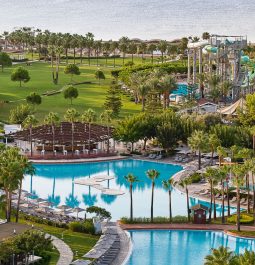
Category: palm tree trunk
[248,193]
[17,211]
[253,189]
[228,199]
[131,203]
[199,159]
[31,143]
[214,207]
[53,139]
[170,206]
[89,137]
[72,137]
[74,54]
[152,58]
[89,56]
[66,56]
[143,103]
[223,204]
[108,139]
[152,200]
[187,199]
[211,202]
[238,208]
[81,55]
[114,59]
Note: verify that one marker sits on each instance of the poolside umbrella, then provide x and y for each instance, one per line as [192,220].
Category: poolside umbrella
[78,210]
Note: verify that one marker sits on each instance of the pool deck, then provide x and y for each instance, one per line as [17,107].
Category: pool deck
[82,160]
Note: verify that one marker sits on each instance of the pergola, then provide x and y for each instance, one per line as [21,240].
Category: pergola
[64,135]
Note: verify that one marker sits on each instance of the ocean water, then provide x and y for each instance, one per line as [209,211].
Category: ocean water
[146,19]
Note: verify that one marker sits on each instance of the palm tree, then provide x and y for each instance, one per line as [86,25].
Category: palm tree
[162,47]
[152,47]
[225,88]
[213,82]
[168,185]
[89,43]
[72,115]
[210,176]
[106,48]
[82,45]
[106,117]
[114,47]
[142,48]
[198,142]
[152,174]
[98,47]
[123,46]
[132,48]
[168,84]
[184,183]
[29,123]
[52,119]
[131,179]
[220,256]
[28,169]
[213,142]
[252,170]
[201,78]
[142,91]
[248,258]
[239,172]
[89,116]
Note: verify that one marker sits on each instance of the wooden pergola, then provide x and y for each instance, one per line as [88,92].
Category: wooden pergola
[64,135]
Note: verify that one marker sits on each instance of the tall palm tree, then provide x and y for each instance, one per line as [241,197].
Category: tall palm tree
[114,47]
[29,123]
[142,49]
[239,172]
[72,115]
[162,47]
[151,48]
[142,91]
[89,116]
[106,48]
[106,117]
[131,179]
[225,87]
[82,45]
[132,48]
[152,174]
[98,48]
[220,256]
[213,142]
[28,169]
[247,258]
[184,183]
[198,142]
[167,85]
[201,78]
[52,119]
[89,43]
[168,185]
[123,46]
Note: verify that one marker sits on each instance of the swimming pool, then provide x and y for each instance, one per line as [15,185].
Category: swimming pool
[177,247]
[55,182]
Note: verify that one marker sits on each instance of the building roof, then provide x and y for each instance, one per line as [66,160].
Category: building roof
[199,206]
[203,101]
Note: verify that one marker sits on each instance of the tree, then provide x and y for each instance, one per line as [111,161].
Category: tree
[225,87]
[123,47]
[213,142]
[72,69]
[29,123]
[71,93]
[52,119]
[162,47]
[113,48]
[34,99]
[89,41]
[131,179]
[168,185]
[5,60]
[89,116]
[152,47]
[206,36]
[198,142]
[152,174]
[72,115]
[246,114]
[248,258]
[19,114]
[239,172]
[113,99]
[99,75]
[167,85]
[201,78]
[106,117]
[220,256]
[20,74]
[132,48]
[184,183]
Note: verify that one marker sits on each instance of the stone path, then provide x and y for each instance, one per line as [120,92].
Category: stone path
[65,253]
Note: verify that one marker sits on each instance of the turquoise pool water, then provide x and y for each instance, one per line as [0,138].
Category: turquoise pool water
[176,247]
[181,90]
[56,183]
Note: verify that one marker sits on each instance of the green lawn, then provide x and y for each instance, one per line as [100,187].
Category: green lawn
[90,95]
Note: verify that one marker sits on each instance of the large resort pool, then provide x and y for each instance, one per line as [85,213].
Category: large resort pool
[55,182]
[181,247]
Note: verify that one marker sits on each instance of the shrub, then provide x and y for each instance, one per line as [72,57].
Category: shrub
[89,227]
[76,227]
[244,219]
[156,220]
[85,227]
[195,178]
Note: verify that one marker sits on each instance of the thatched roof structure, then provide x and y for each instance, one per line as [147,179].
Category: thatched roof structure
[63,133]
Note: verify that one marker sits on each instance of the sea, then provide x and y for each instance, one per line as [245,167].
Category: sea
[145,19]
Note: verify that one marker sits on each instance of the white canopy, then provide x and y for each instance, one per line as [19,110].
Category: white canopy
[231,110]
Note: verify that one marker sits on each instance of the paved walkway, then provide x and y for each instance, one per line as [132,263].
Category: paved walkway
[65,253]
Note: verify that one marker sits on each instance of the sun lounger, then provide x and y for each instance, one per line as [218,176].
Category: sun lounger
[159,157]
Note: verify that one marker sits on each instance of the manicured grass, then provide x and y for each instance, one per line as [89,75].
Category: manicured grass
[90,95]
[243,233]
[80,243]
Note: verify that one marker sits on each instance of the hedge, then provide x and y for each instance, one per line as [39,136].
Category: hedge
[178,219]
[244,219]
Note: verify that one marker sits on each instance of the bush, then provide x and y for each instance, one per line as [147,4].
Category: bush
[156,220]
[85,227]
[244,219]
[125,154]
[195,178]
[136,153]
